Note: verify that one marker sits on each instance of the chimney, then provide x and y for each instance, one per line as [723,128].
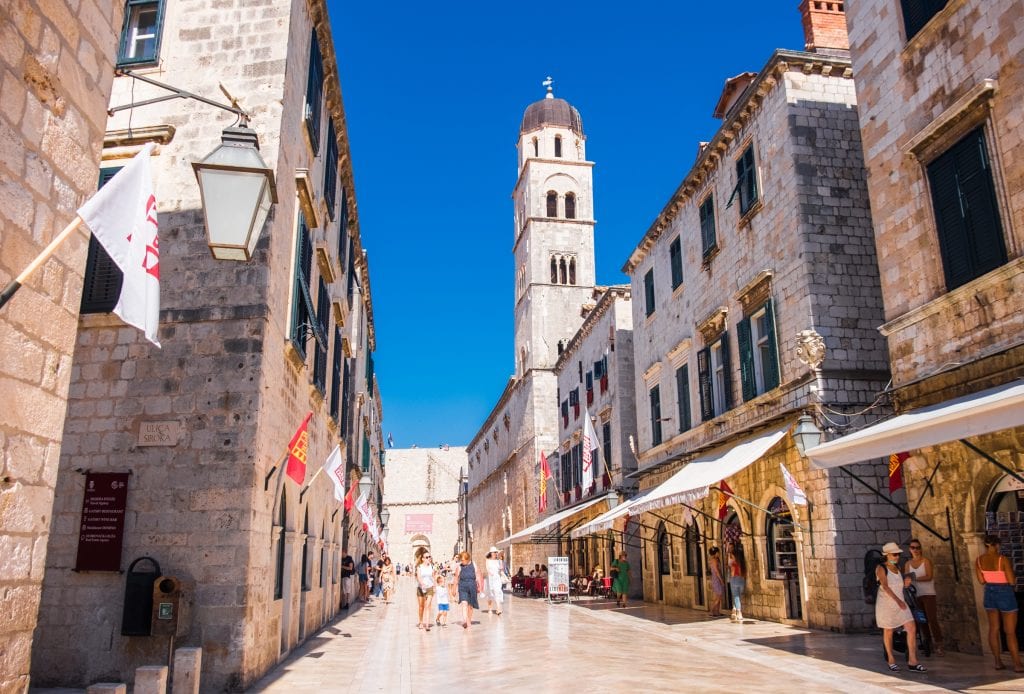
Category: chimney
[825,27]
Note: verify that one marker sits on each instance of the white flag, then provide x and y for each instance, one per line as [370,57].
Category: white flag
[793,491]
[122,217]
[363,506]
[335,469]
[589,444]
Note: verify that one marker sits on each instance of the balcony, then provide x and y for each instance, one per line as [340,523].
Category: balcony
[339,304]
[322,253]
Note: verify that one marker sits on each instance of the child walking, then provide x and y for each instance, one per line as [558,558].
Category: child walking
[442,602]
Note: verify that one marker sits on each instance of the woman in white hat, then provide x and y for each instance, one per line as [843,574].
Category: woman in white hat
[891,612]
[492,584]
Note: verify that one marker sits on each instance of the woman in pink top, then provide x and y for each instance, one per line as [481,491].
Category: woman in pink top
[995,572]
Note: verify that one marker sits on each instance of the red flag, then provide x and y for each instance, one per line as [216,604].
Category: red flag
[896,471]
[350,499]
[297,450]
[545,475]
[724,492]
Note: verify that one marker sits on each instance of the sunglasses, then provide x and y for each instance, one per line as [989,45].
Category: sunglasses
[915,546]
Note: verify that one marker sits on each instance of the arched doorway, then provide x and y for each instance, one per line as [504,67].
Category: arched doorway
[1004,517]
[664,558]
[731,534]
[782,556]
[695,561]
[419,543]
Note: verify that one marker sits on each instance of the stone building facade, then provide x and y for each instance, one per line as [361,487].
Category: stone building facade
[57,70]
[422,498]
[553,248]
[249,348]
[942,124]
[768,236]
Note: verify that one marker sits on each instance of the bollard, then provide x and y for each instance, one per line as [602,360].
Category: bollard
[107,688]
[187,665]
[150,679]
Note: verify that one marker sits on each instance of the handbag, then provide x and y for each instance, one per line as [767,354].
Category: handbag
[505,579]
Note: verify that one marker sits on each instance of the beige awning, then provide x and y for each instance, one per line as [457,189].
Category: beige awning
[604,521]
[971,415]
[525,535]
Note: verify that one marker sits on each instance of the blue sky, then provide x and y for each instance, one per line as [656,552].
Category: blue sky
[434,95]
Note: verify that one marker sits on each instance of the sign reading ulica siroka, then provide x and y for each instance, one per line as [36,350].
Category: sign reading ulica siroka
[164,433]
[101,531]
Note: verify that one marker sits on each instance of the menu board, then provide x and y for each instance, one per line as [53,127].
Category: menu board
[101,532]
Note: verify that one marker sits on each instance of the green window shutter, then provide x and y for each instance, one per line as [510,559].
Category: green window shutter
[771,368]
[331,170]
[649,292]
[727,370]
[101,286]
[336,375]
[655,415]
[747,380]
[366,453]
[683,393]
[707,226]
[707,402]
[314,92]
[675,256]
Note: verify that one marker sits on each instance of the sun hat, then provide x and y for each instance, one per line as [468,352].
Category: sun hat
[891,548]
[493,549]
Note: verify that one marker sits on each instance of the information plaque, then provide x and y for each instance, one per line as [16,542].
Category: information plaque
[101,531]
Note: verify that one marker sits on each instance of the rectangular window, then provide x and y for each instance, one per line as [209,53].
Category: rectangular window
[565,484]
[577,465]
[683,396]
[565,413]
[649,292]
[331,170]
[366,453]
[140,33]
[708,242]
[759,360]
[746,180]
[314,92]
[606,445]
[713,378]
[655,415]
[323,308]
[675,258]
[343,229]
[966,212]
[101,288]
[916,14]
[336,375]
[346,386]
[302,302]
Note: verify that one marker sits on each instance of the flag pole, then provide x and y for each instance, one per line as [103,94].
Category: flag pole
[310,483]
[15,284]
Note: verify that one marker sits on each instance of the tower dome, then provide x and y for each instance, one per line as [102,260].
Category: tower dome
[551,111]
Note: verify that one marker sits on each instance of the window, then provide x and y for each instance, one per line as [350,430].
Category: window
[746,180]
[574,400]
[966,212]
[323,307]
[590,388]
[140,35]
[346,385]
[694,555]
[302,302]
[536,150]
[655,415]
[366,453]
[554,270]
[606,445]
[572,271]
[305,552]
[675,259]
[649,292]
[558,145]
[683,396]
[708,243]
[331,171]
[759,360]
[279,559]
[570,206]
[565,413]
[101,288]
[552,201]
[314,92]
[664,551]
[713,378]
[916,14]
[336,375]
[561,269]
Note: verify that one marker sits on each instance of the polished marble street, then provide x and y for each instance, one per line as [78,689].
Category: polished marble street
[538,647]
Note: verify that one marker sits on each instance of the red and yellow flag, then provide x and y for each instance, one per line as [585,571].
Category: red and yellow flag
[297,452]
[896,471]
[545,475]
[724,492]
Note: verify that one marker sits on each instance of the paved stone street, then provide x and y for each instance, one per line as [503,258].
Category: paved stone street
[537,647]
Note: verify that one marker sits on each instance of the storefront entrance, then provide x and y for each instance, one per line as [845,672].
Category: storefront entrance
[1004,517]
[782,556]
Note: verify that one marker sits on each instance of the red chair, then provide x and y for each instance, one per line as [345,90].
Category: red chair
[528,584]
[542,587]
[606,586]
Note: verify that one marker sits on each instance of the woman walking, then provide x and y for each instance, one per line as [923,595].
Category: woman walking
[995,572]
[737,580]
[387,579]
[919,570]
[364,578]
[891,612]
[425,580]
[470,584]
[492,586]
[620,579]
[717,584]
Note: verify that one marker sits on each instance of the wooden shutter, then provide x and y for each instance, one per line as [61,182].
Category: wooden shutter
[655,415]
[747,378]
[314,92]
[726,370]
[101,286]
[675,256]
[649,292]
[707,226]
[707,402]
[771,368]
[683,393]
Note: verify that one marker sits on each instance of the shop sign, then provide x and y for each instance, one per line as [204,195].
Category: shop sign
[101,530]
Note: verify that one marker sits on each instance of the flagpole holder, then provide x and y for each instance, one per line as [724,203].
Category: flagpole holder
[266,480]
[177,93]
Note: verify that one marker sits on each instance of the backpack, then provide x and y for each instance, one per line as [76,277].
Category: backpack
[872,560]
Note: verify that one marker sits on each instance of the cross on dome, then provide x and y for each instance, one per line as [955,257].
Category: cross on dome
[547,83]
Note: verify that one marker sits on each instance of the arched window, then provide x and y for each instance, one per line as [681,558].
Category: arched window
[664,551]
[536,149]
[552,203]
[561,344]
[694,555]
[570,206]
[561,270]
[572,271]
[558,145]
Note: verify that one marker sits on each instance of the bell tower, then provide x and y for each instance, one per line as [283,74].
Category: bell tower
[554,231]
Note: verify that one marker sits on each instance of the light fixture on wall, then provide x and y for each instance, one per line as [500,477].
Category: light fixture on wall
[385,516]
[364,485]
[806,435]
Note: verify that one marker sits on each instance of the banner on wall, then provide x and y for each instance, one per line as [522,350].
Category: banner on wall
[419,523]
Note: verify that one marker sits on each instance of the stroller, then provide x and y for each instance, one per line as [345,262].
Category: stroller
[924,636]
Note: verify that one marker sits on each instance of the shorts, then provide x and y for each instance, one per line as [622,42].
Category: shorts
[424,592]
[999,596]
[442,608]
[362,578]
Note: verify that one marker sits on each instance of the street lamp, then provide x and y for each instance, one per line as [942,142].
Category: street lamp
[806,435]
[237,191]
[385,516]
[364,485]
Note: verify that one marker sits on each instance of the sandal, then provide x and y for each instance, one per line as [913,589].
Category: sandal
[894,667]
[917,668]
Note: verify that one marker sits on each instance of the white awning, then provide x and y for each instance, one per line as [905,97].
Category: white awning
[691,483]
[551,520]
[980,413]
[605,520]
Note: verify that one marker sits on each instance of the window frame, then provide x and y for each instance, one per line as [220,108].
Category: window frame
[683,397]
[675,261]
[123,43]
[916,14]
[654,395]
[759,353]
[649,299]
[746,179]
[551,204]
[708,237]
[314,101]
[710,388]
[331,171]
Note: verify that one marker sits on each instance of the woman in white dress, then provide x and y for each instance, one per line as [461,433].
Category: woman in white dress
[492,585]
[891,612]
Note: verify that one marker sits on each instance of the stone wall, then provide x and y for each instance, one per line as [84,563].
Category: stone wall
[56,69]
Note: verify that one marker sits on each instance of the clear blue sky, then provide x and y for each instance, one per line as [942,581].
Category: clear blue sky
[434,95]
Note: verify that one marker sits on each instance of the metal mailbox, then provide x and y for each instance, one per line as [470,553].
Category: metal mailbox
[166,605]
